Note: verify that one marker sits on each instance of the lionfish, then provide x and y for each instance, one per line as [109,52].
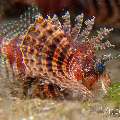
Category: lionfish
[54,58]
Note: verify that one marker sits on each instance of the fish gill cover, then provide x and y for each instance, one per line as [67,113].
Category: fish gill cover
[54,59]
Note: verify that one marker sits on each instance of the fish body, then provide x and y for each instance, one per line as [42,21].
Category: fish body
[51,52]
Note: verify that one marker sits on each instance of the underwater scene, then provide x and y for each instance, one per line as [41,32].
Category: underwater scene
[59,60]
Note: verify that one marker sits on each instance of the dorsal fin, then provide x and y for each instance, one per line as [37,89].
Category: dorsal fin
[85,33]
[56,21]
[77,27]
[67,23]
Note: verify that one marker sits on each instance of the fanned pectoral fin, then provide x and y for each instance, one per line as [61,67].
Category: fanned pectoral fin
[76,89]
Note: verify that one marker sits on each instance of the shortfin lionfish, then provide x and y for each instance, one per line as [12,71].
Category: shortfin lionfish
[53,58]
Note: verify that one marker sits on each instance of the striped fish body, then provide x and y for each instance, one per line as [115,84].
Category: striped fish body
[49,51]
[46,52]
[54,53]
[46,48]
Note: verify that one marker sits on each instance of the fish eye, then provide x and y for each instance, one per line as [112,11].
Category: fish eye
[100,67]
